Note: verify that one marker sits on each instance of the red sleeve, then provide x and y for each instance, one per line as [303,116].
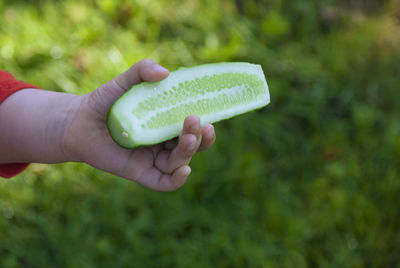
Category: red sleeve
[8,85]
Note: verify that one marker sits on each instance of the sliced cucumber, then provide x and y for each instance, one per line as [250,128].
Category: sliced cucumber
[150,113]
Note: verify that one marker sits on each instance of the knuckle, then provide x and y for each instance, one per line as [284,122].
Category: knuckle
[145,62]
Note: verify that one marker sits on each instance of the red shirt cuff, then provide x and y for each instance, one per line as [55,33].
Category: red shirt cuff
[11,170]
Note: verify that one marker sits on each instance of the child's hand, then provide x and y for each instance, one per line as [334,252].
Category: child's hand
[162,167]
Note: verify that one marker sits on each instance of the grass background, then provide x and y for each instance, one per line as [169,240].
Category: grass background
[312,180]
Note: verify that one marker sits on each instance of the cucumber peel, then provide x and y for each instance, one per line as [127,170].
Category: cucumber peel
[153,112]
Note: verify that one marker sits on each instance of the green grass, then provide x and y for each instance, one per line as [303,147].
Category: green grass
[312,180]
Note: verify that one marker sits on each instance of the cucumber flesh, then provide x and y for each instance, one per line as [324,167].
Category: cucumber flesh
[153,112]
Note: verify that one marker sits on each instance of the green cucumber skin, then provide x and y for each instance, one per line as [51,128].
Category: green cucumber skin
[113,119]
[117,141]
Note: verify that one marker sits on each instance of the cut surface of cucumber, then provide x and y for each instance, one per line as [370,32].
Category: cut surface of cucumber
[153,112]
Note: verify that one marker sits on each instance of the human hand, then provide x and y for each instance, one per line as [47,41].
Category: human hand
[161,167]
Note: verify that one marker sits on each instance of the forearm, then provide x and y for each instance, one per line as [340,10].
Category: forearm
[32,125]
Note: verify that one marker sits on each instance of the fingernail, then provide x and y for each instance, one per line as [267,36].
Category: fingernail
[186,170]
[159,69]
[195,127]
[210,135]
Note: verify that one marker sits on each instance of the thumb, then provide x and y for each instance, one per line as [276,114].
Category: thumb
[145,70]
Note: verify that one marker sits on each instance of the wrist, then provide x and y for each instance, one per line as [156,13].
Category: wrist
[33,124]
[71,139]
[60,123]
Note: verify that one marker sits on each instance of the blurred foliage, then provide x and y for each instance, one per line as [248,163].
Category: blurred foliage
[312,180]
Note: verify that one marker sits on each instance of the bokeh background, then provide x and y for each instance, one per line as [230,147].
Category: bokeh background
[312,180]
